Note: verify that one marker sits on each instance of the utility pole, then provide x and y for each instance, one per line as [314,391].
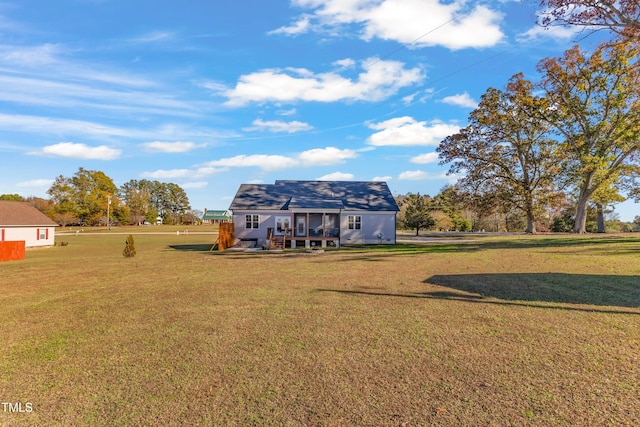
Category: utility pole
[108,206]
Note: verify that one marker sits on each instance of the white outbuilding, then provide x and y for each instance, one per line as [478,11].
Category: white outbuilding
[22,221]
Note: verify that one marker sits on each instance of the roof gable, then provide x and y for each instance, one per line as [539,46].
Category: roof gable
[356,195]
[14,213]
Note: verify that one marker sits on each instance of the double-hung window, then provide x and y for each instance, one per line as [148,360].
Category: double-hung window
[252,221]
[355,222]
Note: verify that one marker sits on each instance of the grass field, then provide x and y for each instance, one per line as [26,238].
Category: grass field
[515,330]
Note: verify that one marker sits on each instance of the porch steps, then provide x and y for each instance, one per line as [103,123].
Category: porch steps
[276,242]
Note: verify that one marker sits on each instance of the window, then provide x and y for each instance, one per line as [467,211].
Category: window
[283,223]
[43,234]
[252,221]
[355,222]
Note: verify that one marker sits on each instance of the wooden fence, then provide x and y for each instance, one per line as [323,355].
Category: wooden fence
[226,238]
[12,250]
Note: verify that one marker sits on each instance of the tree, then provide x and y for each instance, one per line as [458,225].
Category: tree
[620,16]
[148,200]
[129,247]
[505,150]
[92,189]
[83,197]
[63,196]
[12,197]
[177,203]
[137,198]
[595,108]
[450,202]
[417,212]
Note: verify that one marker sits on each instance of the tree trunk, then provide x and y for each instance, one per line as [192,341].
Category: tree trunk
[531,224]
[600,213]
[581,213]
[531,221]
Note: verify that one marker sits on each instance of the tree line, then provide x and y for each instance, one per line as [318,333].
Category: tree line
[571,137]
[454,209]
[90,198]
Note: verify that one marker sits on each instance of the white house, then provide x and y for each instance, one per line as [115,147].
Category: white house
[22,221]
[316,213]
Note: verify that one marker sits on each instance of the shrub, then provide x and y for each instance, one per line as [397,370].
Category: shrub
[129,248]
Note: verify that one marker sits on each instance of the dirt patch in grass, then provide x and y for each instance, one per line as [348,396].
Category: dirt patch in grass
[518,331]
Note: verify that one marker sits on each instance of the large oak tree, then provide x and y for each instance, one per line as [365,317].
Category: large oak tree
[505,151]
[620,16]
[595,102]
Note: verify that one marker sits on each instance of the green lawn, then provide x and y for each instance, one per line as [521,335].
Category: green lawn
[515,330]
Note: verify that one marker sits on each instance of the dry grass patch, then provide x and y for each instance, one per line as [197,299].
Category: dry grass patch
[518,331]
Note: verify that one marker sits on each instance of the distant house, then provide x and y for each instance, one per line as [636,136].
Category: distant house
[21,221]
[315,213]
[215,217]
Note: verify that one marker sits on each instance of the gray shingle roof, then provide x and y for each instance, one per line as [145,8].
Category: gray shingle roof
[22,213]
[283,195]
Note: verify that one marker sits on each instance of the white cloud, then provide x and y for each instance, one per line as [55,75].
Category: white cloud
[325,156]
[79,151]
[345,63]
[279,126]
[455,25]
[47,92]
[425,158]
[185,173]
[337,176]
[56,126]
[419,175]
[168,174]
[378,80]
[154,37]
[561,33]
[289,112]
[461,99]
[170,147]
[196,184]
[80,128]
[35,183]
[314,157]
[406,131]
[30,56]
[416,175]
[301,26]
[262,161]
[382,178]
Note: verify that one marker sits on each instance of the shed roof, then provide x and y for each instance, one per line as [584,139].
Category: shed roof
[283,195]
[14,213]
[214,214]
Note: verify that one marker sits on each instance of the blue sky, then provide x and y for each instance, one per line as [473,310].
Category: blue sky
[212,94]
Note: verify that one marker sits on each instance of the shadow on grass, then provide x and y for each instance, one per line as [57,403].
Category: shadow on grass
[531,290]
[618,243]
[590,289]
[201,247]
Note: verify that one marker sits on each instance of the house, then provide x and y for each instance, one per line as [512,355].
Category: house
[315,213]
[215,217]
[21,221]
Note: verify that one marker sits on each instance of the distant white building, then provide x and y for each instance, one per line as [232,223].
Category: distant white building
[21,221]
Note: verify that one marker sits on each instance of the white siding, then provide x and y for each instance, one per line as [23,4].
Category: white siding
[33,236]
[267,220]
[376,227]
